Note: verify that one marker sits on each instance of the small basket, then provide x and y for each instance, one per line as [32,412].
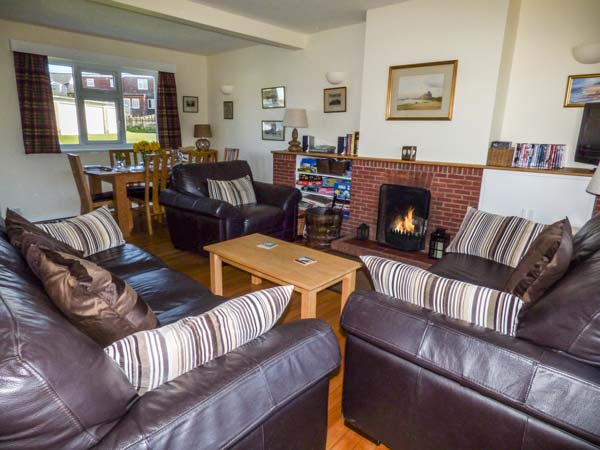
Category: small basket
[339,167]
[323,165]
[500,156]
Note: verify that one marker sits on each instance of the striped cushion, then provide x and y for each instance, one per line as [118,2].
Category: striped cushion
[151,358]
[478,305]
[90,233]
[237,192]
[499,238]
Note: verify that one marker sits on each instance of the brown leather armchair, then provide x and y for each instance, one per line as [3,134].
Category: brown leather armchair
[195,220]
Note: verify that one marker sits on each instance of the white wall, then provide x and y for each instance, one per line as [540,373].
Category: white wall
[547,32]
[471,31]
[302,72]
[42,185]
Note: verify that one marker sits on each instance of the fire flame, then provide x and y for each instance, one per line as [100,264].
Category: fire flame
[404,225]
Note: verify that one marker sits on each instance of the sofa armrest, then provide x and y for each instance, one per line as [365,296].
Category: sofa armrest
[544,384]
[215,404]
[197,204]
[283,197]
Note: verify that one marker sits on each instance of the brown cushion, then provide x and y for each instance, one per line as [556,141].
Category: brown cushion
[586,241]
[97,302]
[546,261]
[17,227]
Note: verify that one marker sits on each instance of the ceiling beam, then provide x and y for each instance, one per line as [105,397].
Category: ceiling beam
[214,19]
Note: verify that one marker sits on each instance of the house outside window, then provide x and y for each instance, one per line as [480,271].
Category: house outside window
[96,106]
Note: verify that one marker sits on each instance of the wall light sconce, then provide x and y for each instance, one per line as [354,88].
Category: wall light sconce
[227,89]
[335,77]
[587,53]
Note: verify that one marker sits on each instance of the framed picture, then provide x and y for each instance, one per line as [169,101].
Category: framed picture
[228,110]
[190,104]
[421,91]
[334,100]
[273,130]
[273,97]
[582,89]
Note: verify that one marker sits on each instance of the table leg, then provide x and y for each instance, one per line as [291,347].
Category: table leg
[348,286]
[122,206]
[308,308]
[255,280]
[216,274]
[95,185]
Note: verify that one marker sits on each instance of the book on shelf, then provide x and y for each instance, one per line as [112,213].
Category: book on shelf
[539,156]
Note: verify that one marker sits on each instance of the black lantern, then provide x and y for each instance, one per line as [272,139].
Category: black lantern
[438,243]
[362,232]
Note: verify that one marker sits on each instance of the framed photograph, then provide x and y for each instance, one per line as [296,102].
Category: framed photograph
[421,91]
[273,130]
[334,100]
[228,110]
[582,89]
[190,104]
[273,97]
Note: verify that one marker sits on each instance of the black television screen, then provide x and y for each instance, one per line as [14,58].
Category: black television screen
[588,145]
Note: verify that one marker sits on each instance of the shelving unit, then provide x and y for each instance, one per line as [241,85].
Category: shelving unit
[312,198]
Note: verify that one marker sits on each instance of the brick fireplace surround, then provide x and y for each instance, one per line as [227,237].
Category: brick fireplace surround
[453,188]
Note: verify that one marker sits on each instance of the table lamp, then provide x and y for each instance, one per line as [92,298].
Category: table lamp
[594,184]
[202,131]
[295,117]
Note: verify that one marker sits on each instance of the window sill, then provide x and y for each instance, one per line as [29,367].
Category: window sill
[94,148]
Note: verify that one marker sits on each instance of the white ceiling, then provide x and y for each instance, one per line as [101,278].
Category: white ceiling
[306,16]
[103,20]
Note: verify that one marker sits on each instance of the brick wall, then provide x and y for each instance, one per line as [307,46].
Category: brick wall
[452,188]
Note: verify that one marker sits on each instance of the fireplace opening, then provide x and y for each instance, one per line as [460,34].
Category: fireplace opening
[403,214]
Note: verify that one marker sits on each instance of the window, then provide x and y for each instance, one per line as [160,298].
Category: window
[96,106]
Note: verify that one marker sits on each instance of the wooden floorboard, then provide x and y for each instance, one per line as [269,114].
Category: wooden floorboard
[235,283]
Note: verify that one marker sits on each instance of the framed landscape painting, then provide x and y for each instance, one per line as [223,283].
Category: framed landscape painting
[228,110]
[273,97]
[273,130]
[421,91]
[334,100]
[582,89]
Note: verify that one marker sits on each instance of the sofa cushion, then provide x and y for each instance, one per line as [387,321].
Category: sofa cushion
[126,259]
[236,192]
[586,241]
[469,302]
[151,358]
[499,238]
[90,233]
[97,302]
[473,269]
[17,226]
[261,218]
[546,261]
[567,318]
[164,289]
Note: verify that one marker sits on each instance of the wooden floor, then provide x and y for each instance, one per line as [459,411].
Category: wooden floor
[235,283]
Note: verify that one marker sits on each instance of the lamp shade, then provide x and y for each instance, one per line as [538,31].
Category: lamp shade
[587,53]
[227,89]
[295,117]
[594,185]
[202,131]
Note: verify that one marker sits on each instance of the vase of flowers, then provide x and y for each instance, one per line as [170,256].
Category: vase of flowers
[145,148]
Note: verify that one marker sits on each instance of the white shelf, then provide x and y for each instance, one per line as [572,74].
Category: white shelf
[341,177]
[316,193]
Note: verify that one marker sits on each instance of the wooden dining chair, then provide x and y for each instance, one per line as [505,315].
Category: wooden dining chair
[131,157]
[156,170]
[232,154]
[88,201]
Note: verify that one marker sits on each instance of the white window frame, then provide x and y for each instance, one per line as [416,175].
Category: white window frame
[144,86]
[134,102]
[83,93]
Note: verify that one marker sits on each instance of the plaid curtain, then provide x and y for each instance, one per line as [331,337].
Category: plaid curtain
[38,119]
[167,114]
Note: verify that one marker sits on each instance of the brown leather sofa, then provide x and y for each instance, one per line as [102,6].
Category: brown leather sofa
[59,390]
[195,220]
[417,380]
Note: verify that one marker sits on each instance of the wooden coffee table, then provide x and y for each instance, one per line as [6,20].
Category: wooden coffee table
[278,266]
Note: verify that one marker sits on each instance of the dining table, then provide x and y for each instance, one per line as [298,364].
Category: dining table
[119,178]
